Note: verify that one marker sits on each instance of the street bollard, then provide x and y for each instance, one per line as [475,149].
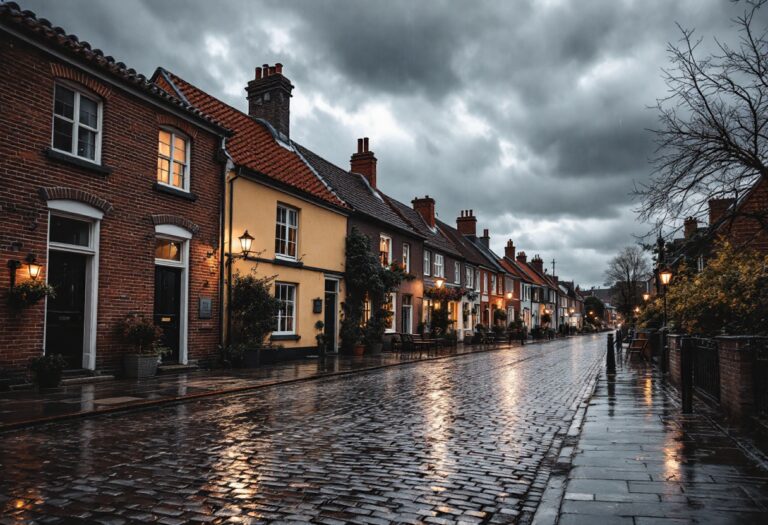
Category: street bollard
[522,337]
[610,364]
[618,341]
[686,375]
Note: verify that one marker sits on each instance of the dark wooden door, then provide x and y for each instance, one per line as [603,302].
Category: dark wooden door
[167,308]
[65,318]
[330,307]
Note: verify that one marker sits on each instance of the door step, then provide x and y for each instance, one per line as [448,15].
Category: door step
[176,368]
[82,380]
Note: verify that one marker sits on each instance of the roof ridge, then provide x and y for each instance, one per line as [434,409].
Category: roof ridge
[316,173]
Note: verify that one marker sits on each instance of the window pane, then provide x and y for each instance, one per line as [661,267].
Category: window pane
[86,143]
[168,250]
[64,103]
[62,135]
[163,168]
[164,144]
[293,218]
[69,231]
[180,150]
[88,112]
[178,174]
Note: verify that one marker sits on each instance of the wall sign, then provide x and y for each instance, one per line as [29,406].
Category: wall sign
[317,306]
[206,308]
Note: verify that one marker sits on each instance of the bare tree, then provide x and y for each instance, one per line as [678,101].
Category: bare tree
[626,274]
[712,138]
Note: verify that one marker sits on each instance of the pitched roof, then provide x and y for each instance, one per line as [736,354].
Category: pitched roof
[491,258]
[434,238]
[533,275]
[355,191]
[41,30]
[466,247]
[254,144]
[512,268]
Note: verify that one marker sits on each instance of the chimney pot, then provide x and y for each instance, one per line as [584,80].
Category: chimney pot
[466,223]
[279,68]
[359,145]
[426,208]
[364,162]
[689,227]
[258,73]
[365,144]
[269,98]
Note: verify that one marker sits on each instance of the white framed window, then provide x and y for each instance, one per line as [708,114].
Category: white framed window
[76,123]
[173,159]
[485,283]
[457,272]
[477,280]
[439,266]
[286,232]
[385,250]
[492,289]
[407,257]
[469,277]
[427,262]
[285,321]
[406,315]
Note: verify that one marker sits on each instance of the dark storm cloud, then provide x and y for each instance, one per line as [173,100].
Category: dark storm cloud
[533,113]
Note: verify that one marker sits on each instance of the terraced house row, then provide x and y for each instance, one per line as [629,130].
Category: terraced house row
[135,195]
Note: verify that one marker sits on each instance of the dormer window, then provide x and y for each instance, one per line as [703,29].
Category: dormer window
[76,123]
[173,159]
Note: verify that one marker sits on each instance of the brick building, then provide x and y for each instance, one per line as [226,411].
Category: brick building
[112,186]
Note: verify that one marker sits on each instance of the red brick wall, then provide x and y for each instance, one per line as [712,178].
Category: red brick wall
[748,231]
[674,342]
[126,259]
[736,371]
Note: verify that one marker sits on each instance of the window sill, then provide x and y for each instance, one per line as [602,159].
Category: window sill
[288,262]
[162,188]
[76,161]
[284,337]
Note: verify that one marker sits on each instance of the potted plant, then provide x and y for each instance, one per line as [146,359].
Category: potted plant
[320,337]
[144,336]
[253,310]
[499,315]
[47,370]
[28,293]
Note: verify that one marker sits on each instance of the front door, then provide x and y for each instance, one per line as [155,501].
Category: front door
[330,307]
[167,308]
[65,318]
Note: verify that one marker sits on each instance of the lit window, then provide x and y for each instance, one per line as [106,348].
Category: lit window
[389,306]
[439,266]
[168,250]
[457,273]
[76,123]
[172,160]
[385,250]
[407,257]
[285,321]
[286,232]
[427,262]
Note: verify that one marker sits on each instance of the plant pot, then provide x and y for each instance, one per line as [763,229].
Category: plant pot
[375,348]
[50,379]
[140,366]
[358,350]
[252,357]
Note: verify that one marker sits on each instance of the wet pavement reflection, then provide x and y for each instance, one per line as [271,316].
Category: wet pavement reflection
[467,439]
[640,460]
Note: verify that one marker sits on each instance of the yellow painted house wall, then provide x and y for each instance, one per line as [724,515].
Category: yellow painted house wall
[321,237]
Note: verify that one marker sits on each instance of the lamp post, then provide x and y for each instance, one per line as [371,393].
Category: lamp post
[246,240]
[665,275]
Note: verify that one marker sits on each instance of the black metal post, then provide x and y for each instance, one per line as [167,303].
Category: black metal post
[686,374]
[664,325]
[610,364]
[664,353]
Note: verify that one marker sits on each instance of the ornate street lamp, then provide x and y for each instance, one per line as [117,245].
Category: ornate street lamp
[665,275]
[245,243]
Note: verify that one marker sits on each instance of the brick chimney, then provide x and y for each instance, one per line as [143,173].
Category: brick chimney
[509,250]
[689,227]
[426,208]
[269,98]
[467,223]
[522,257]
[717,209]
[537,263]
[486,238]
[364,162]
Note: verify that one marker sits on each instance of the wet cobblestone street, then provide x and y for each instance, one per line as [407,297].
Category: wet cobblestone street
[461,440]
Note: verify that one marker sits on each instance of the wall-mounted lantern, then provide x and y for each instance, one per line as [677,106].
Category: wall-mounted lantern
[33,267]
[509,296]
[246,240]
[439,283]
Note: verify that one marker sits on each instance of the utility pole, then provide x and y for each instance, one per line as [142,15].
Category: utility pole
[553,266]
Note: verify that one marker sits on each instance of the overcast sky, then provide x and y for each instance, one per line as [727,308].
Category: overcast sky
[532,113]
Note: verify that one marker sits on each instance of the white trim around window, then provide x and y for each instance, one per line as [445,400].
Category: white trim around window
[285,321]
[439,262]
[75,129]
[456,272]
[182,237]
[173,161]
[427,263]
[286,232]
[407,257]
[393,318]
[385,249]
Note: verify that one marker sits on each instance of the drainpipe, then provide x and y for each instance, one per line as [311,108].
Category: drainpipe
[225,266]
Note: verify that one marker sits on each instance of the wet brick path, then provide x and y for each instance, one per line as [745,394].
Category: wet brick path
[462,440]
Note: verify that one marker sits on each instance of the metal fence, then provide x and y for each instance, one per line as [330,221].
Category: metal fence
[760,375]
[706,366]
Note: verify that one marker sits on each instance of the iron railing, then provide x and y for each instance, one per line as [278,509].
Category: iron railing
[760,375]
[706,366]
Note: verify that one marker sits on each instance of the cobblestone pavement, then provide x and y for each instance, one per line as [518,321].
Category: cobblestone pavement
[463,440]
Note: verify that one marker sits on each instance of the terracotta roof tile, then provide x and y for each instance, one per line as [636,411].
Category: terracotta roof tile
[434,238]
[254,146]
